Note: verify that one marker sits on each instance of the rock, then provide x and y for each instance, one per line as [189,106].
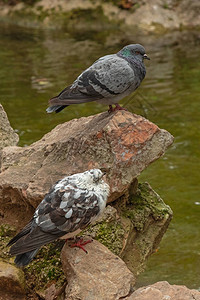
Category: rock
[170,14]
[150,218]
[53,293]
[8,137]
[97,275]
[133,228]
[12,284]
[123,143]
[163,290]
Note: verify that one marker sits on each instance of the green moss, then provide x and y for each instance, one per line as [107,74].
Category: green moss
[30,16]
[6,233]
[109,234]
[108,230]
[7,230]
[143,204]
[46,267]
[77,21]
[80,23]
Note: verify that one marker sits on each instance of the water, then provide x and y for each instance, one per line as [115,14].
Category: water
[35,65]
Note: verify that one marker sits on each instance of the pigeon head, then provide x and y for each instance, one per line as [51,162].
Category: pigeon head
[136,51]
[95,175]
[93,180]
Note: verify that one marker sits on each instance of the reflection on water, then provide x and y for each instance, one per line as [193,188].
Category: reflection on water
[35,65]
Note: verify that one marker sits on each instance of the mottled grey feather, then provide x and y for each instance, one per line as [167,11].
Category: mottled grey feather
[34,240]
[71,204]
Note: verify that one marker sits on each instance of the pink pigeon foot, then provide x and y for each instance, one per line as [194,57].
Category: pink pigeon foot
[110,109]
[80,243]
[117,107]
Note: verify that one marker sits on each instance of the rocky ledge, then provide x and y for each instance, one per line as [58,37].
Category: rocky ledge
[133,224]
[122,143]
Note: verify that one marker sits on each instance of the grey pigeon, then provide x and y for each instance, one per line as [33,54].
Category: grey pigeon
[107,80]
[71,204]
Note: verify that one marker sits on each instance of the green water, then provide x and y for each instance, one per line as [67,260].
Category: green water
[35,65]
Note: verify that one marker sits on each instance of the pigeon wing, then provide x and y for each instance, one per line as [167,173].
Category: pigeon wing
[62,211]
[109,76]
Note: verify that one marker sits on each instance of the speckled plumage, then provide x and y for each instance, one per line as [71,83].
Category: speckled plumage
[71,204]
[107,80]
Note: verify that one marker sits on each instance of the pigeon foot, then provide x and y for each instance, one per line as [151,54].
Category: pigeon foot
[80,243]
[110,109]
[117,107]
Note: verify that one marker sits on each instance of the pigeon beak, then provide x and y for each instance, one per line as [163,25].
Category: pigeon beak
[146,57]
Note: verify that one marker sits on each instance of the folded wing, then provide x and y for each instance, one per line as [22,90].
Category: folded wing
[62,211]
[107,77]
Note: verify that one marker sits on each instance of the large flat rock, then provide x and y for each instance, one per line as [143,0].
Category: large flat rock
[97,275]
[123,143]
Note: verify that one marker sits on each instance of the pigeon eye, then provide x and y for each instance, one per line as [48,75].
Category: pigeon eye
[137,52]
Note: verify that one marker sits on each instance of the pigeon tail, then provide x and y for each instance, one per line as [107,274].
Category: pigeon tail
[24,259]
[22,233]
[55,108]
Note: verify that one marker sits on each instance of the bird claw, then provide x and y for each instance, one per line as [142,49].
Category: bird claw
[117,107]
[110,109]
[80,243]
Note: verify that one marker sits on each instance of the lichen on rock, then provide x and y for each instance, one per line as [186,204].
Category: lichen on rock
[150,218]
[143,204]
[108,230]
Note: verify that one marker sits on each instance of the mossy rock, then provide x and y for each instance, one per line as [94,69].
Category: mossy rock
[46,268]
[108,230]
[143,204]
[150,218]
[11,278]
[131,229]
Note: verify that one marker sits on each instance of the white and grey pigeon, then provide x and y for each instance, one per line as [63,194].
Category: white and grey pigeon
[71,204]
[107,80]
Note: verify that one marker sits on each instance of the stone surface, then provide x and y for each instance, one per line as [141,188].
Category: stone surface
[123,143]
[8,137]
[148,15]
[148,218]
[53,293]
[97,275]
[162,290]
[11,282]
[133,228]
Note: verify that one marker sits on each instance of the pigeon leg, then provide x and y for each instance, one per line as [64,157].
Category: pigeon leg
[110,109]
[118,107]
[80,243]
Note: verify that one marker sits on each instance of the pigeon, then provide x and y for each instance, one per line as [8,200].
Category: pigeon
[107,80]
[71,205]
